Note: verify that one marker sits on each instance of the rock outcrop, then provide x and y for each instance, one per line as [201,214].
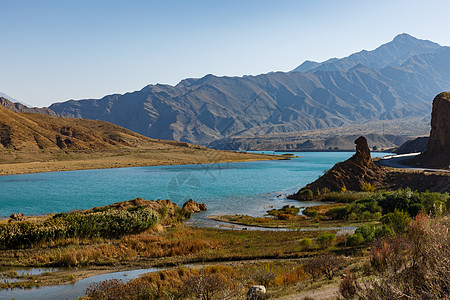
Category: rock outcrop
[413,146]
[191,206]
[437,154]
[350,174]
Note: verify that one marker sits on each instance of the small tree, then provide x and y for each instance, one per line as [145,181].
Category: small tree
[205,286]
[326,240]
[265,275]
[326,264]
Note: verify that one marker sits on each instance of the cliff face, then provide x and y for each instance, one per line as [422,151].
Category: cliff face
[437,154]
[350,174]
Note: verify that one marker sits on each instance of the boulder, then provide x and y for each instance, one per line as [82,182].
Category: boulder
[16,217]
[191,206]
[256,292]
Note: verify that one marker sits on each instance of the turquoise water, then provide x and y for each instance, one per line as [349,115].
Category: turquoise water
[242,187]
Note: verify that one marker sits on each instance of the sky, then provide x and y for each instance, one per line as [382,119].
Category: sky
[53,51]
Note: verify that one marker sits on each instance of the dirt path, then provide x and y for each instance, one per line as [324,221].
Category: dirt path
[327,292]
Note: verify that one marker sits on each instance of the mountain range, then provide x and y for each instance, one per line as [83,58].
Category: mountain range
[395,82]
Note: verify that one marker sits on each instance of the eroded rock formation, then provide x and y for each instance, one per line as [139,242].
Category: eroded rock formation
[348,175]
[437,154]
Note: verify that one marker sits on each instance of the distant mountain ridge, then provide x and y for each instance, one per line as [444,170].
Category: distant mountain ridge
[396,81]
[21,108]
[394,53]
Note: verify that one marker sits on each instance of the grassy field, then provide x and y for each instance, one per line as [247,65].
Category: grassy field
[226,262]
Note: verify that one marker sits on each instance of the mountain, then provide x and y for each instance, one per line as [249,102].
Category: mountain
[8,97]
[21,108]
[399,87]
[394,53]
[310,143]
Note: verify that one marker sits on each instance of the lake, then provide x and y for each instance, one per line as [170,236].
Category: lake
[226,188]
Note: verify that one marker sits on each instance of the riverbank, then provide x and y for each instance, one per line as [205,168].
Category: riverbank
[12,163]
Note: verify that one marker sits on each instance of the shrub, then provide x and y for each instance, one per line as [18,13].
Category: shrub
[305,194]
[367,232]
[305,243]
[285,213]
[414,209]
[326,240]
[348,285]
[397,220]
[326,264]
[367,187]
[355,239]
[108,223]
[384,232]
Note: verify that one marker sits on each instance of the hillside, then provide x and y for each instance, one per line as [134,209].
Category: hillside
[38,132]
[211,108]
[309,141]
[37,143]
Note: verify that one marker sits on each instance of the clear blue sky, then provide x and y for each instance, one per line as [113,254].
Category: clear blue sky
[53,51]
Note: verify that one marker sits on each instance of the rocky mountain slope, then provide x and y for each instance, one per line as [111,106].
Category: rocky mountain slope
[410,72]
[19,107]
[309,142]
[395,53]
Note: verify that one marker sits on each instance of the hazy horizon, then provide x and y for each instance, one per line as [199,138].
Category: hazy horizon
[55,51]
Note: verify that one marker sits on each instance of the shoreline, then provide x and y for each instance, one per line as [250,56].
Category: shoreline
[138,159]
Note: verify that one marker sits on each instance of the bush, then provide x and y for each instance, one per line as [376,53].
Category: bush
[305,243]
[397,220]
[305,194]
[384,232]
[367,232]
[285,213]
[367,187]
[108,223]
[355,239]
[414,209]
[348,286]
[326,240]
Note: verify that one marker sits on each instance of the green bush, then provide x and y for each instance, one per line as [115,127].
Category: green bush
[367,232]
[305,243]
[284,213]
[305,194]
[326,240]
[108,223]
[397,220]
[355,239]
[384,232]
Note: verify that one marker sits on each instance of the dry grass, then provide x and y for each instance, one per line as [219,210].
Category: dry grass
[20,163]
